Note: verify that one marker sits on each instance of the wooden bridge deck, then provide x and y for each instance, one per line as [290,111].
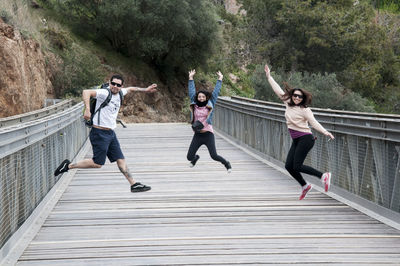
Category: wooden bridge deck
[201,215]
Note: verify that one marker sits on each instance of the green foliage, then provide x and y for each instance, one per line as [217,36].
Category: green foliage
[313,36]
[326,90]
[171,35]
[392,6]
[5,16]
[79,69]
[241,86]
[392,101]
[227,17]
[58,39]
[239,83]
[186,107]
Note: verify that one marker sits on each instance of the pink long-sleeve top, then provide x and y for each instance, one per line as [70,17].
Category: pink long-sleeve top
[201,114]
[297,118]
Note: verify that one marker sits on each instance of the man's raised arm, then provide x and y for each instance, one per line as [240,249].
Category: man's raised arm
[149,89]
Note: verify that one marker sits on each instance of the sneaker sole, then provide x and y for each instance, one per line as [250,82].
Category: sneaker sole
[141,190]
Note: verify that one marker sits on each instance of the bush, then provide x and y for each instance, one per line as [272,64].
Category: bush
[326,90]
[344,37]
[79,70]
[172,35]
[392,6]
[56,38]
[5,16]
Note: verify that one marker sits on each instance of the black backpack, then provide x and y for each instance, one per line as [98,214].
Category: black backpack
[93,102]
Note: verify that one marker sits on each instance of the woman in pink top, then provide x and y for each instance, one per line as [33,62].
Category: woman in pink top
[202,108]
[298,115]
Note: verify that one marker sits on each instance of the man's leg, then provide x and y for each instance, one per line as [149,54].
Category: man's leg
[66,165]
[87,163]
[135,186]
[123,167]
[115,154]
[99,141]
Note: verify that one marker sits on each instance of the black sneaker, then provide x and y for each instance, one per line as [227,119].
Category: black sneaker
[228,167]
[62,168]
[193,163]
[138,187]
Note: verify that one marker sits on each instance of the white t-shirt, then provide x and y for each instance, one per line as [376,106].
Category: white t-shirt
[109,113]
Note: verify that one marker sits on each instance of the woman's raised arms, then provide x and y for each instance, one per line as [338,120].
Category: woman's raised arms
[275,86]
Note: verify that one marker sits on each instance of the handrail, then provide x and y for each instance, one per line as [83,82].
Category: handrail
[17,137]
[321,110]
[377,126]
[37,114]
[29,154]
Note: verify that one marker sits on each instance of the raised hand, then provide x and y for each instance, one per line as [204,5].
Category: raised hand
[267,71]
[191,74]
[220,76]
[151,88]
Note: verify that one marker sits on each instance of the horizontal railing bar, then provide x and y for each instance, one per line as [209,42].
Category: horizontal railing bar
[37,114]
[328,111]
[332,122]
[18,137]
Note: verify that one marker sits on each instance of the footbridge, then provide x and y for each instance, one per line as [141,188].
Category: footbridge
[200,215]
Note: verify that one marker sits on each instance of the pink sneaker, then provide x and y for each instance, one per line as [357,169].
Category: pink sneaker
[304,192]
[326,180]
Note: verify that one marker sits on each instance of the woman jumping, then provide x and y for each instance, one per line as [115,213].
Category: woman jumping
[298,115]
[201,106]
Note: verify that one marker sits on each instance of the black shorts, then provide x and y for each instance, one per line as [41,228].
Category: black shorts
[105,144]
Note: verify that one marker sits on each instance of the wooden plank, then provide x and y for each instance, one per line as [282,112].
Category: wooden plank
[201,215]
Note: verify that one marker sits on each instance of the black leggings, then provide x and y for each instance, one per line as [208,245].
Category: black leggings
[296,156]
[206,138]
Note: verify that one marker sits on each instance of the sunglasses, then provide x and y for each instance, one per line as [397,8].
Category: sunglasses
[298,96]
[116,84]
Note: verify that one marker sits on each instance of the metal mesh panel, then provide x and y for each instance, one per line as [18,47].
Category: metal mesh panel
[365,166]
[28,174]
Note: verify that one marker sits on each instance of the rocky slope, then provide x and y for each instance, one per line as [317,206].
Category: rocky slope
[24,83]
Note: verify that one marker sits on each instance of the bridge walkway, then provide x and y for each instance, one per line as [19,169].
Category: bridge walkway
[201,215]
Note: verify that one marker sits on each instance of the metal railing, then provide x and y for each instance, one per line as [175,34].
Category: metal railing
[29,154]
[364,158]
[34,115]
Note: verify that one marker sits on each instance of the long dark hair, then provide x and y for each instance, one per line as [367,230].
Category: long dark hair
[289,91]
[206,93]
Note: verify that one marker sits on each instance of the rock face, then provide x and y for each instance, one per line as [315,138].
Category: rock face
[232,6]
[23,80]
[163,106]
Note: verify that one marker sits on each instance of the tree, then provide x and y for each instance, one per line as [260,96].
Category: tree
[173,34]
[326,90]
[318,36]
